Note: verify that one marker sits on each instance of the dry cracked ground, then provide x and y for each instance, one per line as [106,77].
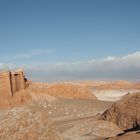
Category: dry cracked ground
[72,111]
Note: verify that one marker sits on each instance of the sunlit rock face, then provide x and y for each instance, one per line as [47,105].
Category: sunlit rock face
[18,81]
[5,84]
[125,112]
[11,82]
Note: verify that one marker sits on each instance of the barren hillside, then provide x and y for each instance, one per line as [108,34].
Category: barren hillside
[67,90]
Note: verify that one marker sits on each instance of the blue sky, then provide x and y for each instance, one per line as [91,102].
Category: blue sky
[35,32]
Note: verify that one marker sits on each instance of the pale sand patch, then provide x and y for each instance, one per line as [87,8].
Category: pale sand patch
[113,94]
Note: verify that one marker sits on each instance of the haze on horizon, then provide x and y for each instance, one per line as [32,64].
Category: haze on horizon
[71,40]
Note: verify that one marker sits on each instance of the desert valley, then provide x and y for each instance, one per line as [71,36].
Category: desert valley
[82,110]
[69,70]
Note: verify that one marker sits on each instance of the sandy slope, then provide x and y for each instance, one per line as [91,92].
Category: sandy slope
[19,98]
[74,117]
[71,115]
[26,123]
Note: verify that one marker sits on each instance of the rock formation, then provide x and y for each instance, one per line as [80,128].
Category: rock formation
[125,112]
[18,81]
[5,84]
[11,82]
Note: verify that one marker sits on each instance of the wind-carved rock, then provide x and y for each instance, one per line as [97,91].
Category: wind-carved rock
[11,82]
[5,84]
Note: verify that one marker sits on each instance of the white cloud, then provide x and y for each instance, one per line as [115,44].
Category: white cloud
[125,67]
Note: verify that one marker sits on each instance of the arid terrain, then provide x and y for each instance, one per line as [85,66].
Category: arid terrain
[82,110]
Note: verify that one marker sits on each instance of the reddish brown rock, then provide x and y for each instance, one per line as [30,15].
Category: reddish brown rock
[11,82]
[18,81]
[5,84]
[125,113]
